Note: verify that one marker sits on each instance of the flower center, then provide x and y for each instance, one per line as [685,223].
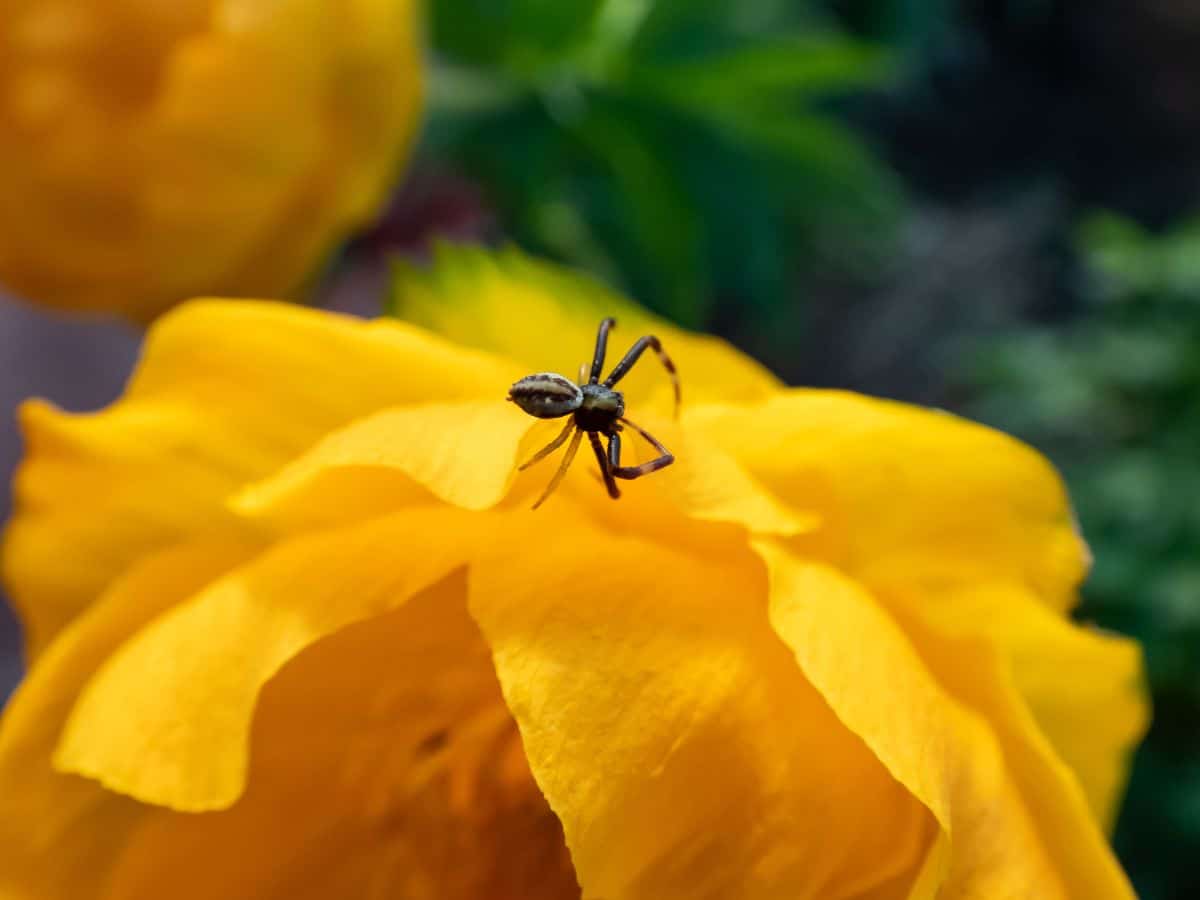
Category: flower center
[465,819]
[419,762]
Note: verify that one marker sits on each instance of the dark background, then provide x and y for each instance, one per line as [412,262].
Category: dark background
[986,206]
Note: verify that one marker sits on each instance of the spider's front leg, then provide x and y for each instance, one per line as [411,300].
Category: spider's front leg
[613,490]
[621,369]
[601,350]
[630,472]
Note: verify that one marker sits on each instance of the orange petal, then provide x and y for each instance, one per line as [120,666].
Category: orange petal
[466,453]
[167,718]
[384,764]
[672,732]
[226,392]
[59,833]
[1012,825]
[1084,689]
[909,494]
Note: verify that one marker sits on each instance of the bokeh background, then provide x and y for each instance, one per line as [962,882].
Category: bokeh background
[992,206]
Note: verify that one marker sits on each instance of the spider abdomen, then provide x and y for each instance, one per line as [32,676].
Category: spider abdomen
[546,395]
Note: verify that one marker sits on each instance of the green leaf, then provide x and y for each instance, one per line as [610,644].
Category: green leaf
[653,207]
[677,29]
[471,31]
[1136,261]
[463,92]
[761,73]
[831,169]
[520,37]
[672,145]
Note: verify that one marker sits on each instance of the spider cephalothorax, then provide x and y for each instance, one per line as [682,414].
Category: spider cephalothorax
[594,407]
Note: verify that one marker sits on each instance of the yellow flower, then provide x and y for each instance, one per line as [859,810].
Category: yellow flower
[296,633]
[156,151]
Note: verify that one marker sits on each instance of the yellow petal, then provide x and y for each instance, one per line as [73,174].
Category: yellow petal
[978,678]
[59,833]
[95,493]
[671,731]
[705,483]
[212,654]
[395,727]
[546,317]
[463,453]
[1012,825]
[384,764]
[226,392]
[1085,689]
[907,493]
[466,453]
[932,874]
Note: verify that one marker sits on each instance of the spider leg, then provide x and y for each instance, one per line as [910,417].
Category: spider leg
[609,482]
[562,469]
[601,349]
[622,368]
[630,472]
[550,447]
[583,374]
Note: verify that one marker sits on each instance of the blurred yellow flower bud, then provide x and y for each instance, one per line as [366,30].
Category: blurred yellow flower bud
[151,151]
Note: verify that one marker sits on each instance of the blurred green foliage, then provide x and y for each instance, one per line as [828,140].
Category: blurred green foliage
[1113,395]
[686,150]
[911,24]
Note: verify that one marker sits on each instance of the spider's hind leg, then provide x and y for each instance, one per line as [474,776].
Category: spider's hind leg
[572,448]
[550,447]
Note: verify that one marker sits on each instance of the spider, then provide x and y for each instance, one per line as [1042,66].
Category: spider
[595,408]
